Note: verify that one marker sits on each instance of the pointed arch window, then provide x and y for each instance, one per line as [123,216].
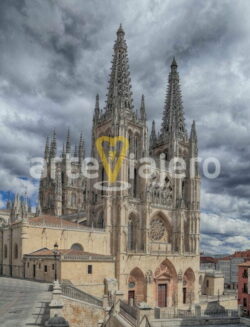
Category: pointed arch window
[135,183]
[131,234]
[73,200]
[100,221]
[136,147]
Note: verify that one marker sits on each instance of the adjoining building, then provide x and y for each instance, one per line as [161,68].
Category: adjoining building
[244,287]
[229,266]
[208,263]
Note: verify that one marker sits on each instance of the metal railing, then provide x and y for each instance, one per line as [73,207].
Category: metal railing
[77,294]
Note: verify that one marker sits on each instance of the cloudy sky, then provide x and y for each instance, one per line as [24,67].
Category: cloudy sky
[55,56]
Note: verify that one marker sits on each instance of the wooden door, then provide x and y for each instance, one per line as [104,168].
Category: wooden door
[184,295]
[162,295]
[131,297]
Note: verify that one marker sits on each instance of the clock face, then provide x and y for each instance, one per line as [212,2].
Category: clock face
[131,285]
[157,229]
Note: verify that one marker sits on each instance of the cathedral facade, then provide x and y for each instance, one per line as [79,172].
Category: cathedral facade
[153,225]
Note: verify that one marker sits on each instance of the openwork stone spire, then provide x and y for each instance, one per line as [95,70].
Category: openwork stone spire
[68,142]
[47,149]
[97,106]
[53,146]
[119,95]
[81,150]
[193,146]
[142,109]
[173,122]
[193,134]
[153,137]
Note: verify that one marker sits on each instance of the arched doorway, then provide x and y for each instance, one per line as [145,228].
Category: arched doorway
[136,286]
[188,286]
[166,284]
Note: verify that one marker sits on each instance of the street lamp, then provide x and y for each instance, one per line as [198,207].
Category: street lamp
[55,251]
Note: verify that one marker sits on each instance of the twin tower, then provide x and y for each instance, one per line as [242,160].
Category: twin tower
[153,210]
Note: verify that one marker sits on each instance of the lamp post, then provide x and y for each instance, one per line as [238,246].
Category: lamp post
[55,251]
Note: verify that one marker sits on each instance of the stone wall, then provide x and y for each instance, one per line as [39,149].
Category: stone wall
[79,313]
[227,302]
[91,283]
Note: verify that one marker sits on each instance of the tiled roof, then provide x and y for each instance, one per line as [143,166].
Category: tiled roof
[241,254]
[52,220]
[237,254]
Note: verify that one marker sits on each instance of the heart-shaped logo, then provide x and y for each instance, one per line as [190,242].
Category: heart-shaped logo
[112,154]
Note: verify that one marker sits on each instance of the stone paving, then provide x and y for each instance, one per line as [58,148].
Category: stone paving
[23,303]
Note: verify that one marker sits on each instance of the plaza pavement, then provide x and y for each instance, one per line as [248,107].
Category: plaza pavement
[23,303]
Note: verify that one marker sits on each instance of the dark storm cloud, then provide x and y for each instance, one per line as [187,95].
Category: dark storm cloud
[55,56]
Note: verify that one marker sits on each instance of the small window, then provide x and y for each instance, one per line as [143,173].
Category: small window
[39,266]
[245,274]
[207,283]
[53,267]
[28,264]
[245,288]
[244,302]
[45,268]
[90,270]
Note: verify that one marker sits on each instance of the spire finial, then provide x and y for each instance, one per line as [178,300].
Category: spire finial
[120,30]
[97,107]
[68,142]
[193,134]
[142,109]
[53,145]
[46,151]
[81,148]
[174,63]
[153,137]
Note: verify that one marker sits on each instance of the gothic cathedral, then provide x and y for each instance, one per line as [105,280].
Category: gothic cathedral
[154,224]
